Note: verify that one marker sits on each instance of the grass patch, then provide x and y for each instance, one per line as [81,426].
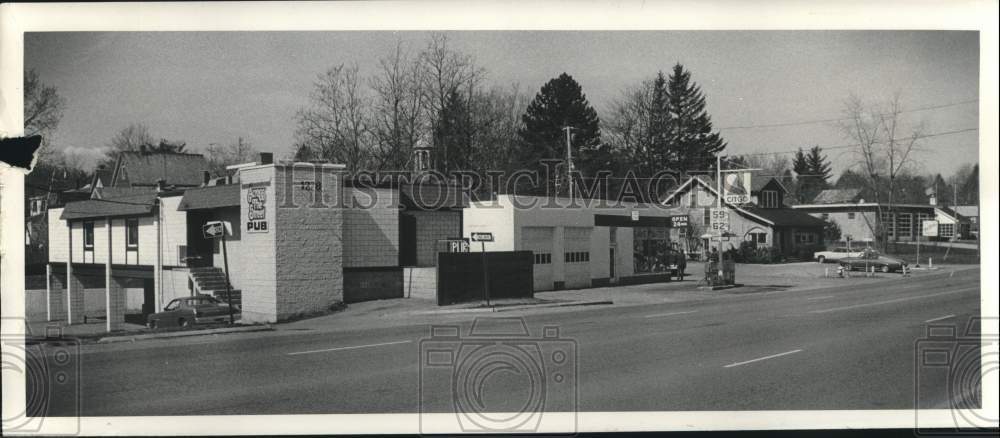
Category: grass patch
[939,251]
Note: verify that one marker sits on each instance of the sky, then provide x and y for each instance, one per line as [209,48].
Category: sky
[212,87]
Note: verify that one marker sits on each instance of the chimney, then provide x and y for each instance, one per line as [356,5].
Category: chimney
[206,177]
[161,185]
[266,158]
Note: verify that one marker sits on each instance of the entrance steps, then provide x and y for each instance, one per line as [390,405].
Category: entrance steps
[212,281]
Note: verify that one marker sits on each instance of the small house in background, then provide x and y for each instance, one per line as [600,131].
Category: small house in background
[765,221]
[856,216]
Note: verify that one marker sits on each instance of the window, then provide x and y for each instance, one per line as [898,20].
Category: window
[756,236]
[850,216]
[769,199]
[805,238]
[904,223]
[543,258]
[577,257]
[132,233]
[176,303]
[946,230]
[88,235]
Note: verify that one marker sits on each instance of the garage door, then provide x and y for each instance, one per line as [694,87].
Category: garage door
[539,241]
[577,256]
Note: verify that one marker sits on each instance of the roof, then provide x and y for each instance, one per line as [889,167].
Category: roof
[147,168]
[138,203]
[786,217]
[118,192]
[211,197]
[837,196]
[967,210]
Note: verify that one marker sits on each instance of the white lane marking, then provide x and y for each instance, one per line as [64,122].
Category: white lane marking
[353,347]
[941,318]
[878,303]
[820,298]
[669,314]
[762,358]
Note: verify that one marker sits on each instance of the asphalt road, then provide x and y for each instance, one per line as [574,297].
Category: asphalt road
[845,348]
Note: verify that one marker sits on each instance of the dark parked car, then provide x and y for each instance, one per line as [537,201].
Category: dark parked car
[182,312]
[871,258]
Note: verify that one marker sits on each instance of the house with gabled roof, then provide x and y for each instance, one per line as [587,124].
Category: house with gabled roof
[856,216]
[765,221]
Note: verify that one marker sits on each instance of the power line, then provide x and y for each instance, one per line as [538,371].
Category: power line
[812,122]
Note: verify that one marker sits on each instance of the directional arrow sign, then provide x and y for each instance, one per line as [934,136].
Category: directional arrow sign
[482,237]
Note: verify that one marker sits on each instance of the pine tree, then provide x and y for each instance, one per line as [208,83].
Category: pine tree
[451,142]
[561,103]
[812,171]
[693,142]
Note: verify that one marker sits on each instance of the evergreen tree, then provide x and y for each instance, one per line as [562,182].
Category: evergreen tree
[451,139]
[561,103]
[693,142]
[812,172]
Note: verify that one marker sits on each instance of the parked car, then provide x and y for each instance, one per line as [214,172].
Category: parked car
[872,258]
[186,311]
[836,254]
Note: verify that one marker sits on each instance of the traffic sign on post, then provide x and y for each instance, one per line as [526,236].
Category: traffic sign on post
[482,237]
[213,229]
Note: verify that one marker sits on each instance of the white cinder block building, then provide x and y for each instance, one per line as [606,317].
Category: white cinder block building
[588,244]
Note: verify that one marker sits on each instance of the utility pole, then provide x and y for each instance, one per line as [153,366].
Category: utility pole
[569,162]
[718,196]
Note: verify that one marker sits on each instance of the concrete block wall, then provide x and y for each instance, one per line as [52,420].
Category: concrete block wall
[173,229]
[377,284]
[308,241]
[371,228]
[56,296]
[420,283]
[433,226]
[58,236]
[76,297]
[258,273]
[115,304]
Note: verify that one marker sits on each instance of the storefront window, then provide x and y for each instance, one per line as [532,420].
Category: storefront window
[651,252]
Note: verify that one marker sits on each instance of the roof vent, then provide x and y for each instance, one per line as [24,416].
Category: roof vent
[266,158]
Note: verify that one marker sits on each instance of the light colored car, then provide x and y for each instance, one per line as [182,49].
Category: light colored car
[871,259]
[837,254]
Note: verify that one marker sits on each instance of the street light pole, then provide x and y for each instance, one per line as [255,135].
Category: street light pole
[718,186]
[569,162]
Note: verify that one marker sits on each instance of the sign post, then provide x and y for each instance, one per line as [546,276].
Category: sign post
[217,230]
[482,238]
[929,228]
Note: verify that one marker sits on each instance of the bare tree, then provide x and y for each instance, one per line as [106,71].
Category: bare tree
[131,138]
[444,71]
[221,155]
[42,111]
[884,149]
[335,125]
[398,108]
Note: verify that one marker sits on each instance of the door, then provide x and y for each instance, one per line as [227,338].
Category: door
[199,249]
[148,298]
[407,240]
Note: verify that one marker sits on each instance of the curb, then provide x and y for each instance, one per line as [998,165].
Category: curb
[515,307]
[182,334]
